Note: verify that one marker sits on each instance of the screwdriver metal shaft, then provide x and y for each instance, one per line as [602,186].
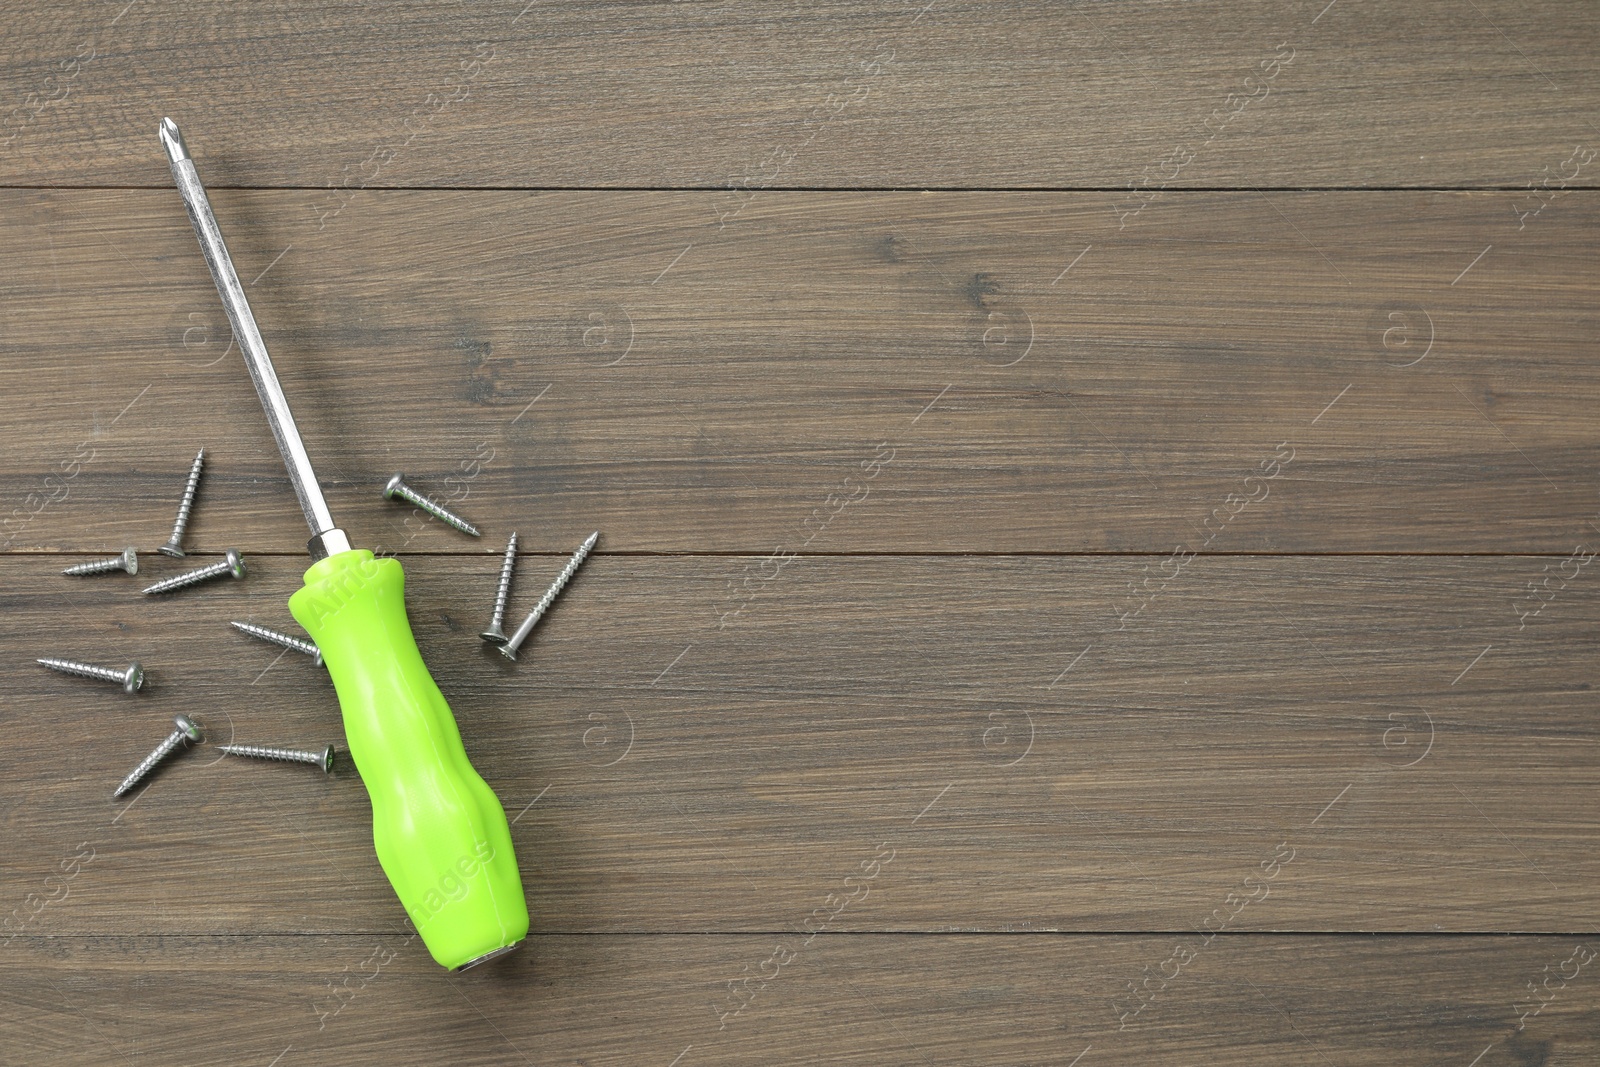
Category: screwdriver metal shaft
[327,539]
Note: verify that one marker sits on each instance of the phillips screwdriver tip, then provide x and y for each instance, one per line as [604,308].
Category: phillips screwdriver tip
[177,151]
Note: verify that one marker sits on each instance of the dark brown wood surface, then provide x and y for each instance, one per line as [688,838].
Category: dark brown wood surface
[909,93]
[1115,554]
[557,362]
[894,998]
[705,761]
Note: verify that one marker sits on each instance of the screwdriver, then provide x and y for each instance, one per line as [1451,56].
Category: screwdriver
[438,829]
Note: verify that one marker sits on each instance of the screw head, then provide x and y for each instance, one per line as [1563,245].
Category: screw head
[171,549]
[235,563]
[327,760]
[190,728]
[130,560]
[496,636]
[394,486]
[132,678]
[508,651]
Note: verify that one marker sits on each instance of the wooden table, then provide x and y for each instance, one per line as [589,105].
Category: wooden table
[1098,505]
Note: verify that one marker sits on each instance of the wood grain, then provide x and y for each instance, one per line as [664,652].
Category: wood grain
[904,999]
[672,767]
[863,373]
[1097,507]
[839,94]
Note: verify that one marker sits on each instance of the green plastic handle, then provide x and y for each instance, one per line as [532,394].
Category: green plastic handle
[439,831]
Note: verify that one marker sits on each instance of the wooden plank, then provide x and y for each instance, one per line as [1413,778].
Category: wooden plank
[883,727]
[845,94]
[1426,764]
[862,373]
[839,999]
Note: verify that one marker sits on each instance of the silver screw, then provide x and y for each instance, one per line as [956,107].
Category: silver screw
[299,644]
[232,563]
[128,561]
[323,759]
[188,730]
[495,635]
[172,547]
[397,487]
[130,679]
[509,649]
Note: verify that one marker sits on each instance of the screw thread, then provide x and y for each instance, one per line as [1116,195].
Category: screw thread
[287,755]
[187,504]
[565,576]
[276,638]
[163,750]
[83,670]
[438,511]
[503,590]
[99,566]
[509,649]
[194,577]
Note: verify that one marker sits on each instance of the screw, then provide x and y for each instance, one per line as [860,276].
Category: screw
[397,487]
[233,564]
[494,634]
[509,649]
[128,561]
[130,679]
[188,730]
[287,641]
[172,547]
[323,759]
